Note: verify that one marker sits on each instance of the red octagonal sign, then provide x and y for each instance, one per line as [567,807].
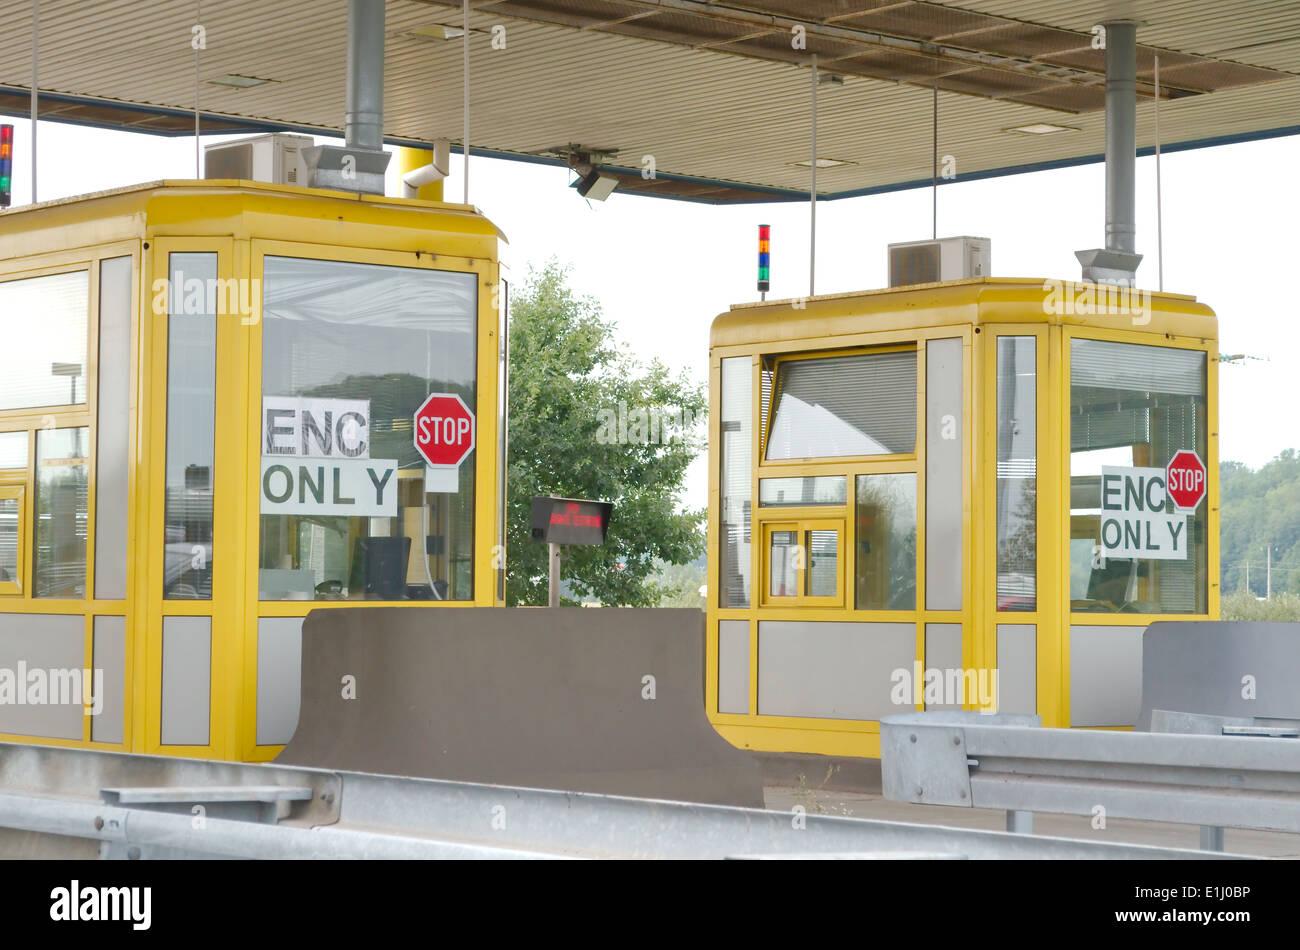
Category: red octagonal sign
[1185,477]
[444,429]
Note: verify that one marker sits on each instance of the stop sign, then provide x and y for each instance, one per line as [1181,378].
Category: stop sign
[444,429]
[1185,478]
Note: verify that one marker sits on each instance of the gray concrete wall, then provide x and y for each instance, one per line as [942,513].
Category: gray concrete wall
[541,697]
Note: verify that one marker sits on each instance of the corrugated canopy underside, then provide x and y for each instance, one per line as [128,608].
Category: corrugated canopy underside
[718,93]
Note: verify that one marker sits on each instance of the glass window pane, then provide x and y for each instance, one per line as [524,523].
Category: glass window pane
[1017,470]
[823,563]
[782,558]
[59,569]
[886,542]
[9,513]
[791,492]
[845,405]
[366,344]
[44,323]
[1132,407]
[736,474]
[191,426]
[13,450]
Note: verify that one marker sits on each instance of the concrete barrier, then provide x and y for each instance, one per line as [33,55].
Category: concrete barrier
[598,700]
[1221,668]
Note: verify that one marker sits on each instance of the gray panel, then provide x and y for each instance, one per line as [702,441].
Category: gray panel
[1201,666]
[832,669]
[47,651]
[1017,668]
[1105,675]
[109,662]
[279,678]
[733,666]
[186,679]
[944,476]
[943,652]
[114,416]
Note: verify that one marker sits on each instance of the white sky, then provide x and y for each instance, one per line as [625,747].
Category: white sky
[663,269]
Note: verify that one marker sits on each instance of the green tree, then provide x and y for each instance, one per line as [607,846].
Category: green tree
[581,411]
[1259,508]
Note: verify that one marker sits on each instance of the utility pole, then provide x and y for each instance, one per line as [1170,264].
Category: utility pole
[1268,588]
[1248,575]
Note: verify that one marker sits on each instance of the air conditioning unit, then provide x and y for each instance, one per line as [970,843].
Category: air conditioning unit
[275,158]
[924,262]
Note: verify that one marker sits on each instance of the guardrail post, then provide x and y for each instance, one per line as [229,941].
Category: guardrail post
[1020,822]
[1211,838]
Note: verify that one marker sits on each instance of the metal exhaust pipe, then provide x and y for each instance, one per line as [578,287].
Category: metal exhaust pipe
[1118,261]
[360,164]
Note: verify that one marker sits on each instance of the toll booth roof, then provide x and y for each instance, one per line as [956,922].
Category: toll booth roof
[975,301]
[229,206]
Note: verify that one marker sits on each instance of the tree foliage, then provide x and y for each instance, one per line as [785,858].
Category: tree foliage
[568,379]
[1258,508]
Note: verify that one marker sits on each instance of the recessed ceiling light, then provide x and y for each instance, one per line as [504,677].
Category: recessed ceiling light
[1042,128]
[824,163]
[239,82]
[438,32]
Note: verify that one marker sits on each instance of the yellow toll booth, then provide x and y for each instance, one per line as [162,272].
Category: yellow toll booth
[208,393]
[972,494]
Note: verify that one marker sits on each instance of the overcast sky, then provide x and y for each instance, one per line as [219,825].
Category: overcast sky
[663,269]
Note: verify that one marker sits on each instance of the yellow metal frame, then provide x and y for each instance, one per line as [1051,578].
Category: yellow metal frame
[977,312]
[782,521]
[240,222]
[25,258]
[16,491]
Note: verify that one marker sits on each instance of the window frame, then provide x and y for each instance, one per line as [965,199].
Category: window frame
[13,486]
[483,582]
[801,526]
[1211,460]
[913,346]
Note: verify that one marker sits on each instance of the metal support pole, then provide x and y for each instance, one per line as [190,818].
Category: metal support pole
[553,595]
[934,170]
[198,158]
[1160,222]
[364,121]
[36,47]
[812,192]
[1121,134]
[465,139]
[1020,822]
[1211,838]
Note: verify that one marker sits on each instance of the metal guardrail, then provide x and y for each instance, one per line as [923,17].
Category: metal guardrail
[978,761]
[72,802]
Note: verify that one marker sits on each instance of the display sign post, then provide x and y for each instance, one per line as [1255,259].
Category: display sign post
[557,521]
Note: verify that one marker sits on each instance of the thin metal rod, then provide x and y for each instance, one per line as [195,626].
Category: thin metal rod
[465,140]
[198,157]
[1160,225]
[36,48]
[934,169]
[812,192]
[553,582]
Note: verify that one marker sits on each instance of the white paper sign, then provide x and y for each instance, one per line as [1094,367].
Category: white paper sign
[315,428]
[1134,522]
[365,488]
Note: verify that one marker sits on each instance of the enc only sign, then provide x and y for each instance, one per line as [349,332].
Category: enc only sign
[1135,518]
[570,520]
